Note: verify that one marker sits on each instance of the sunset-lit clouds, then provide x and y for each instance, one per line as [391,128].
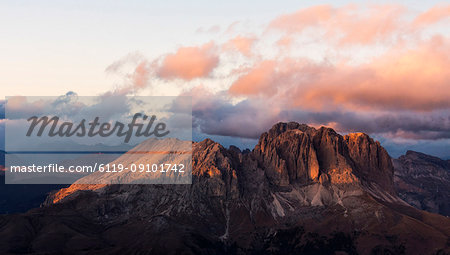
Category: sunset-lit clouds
[141,75]
[259,80]
[298,21]
[375,68]
[380,69]
[415,79]
[350,24]
[383,70]
[189,62]
[433,15]
[240,44]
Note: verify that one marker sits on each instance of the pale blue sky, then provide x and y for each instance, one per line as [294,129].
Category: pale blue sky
[50,47]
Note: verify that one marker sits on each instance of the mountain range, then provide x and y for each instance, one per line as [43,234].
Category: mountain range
[423,181]
[300,190]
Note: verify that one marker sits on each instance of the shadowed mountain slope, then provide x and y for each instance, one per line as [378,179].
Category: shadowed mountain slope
[423,181]
[301,190]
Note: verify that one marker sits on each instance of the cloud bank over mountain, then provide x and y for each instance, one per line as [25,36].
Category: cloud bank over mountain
[380,69]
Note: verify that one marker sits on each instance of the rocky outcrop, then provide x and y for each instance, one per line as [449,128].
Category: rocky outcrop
[423,181]
[287,154]
[300,190]
[372,161]
[295,153]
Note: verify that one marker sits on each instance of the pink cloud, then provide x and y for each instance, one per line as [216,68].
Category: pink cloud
[258,80]
[285,41]
[301,19]
[141,75]
[241,44]
[433,15]
[416,79]
[273,78]
[189,62]
[351,24]
[401,87]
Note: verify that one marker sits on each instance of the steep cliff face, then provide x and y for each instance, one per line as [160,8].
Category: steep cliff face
[295,153]
[301,190]
[373,163]
[287,154]
[423,181]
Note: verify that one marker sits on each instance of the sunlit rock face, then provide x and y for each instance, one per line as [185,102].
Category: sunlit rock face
[287,154]
[423,181]
[294,153]
[300,190]
[372,162]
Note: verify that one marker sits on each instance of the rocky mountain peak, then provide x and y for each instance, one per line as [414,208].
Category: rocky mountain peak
[288,154]
[296,153]
[372,161]
[282,127]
